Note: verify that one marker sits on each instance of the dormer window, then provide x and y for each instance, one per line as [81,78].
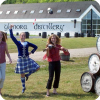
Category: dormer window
[32,11]
[58,11]
[41,11]
[1,12]
[8,12]
[24,11]
[78,10]
[16,12]
[68,10]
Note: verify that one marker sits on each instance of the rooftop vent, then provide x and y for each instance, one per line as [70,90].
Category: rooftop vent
[50,11]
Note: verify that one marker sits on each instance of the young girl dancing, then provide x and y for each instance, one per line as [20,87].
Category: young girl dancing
[24,63]
[3,49]
[53,47]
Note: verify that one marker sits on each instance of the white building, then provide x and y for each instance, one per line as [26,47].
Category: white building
[35,18]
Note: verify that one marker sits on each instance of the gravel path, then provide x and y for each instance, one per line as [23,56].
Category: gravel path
[37,56]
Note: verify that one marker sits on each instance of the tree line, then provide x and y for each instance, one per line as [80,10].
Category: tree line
[38,1]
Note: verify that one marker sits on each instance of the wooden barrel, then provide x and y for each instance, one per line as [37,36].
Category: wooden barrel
[67,34]
[88,35]
[87,82]
[44,34]
[76,34]
[94,64]
[98,44]
[17,33]
[82,34]
[97,86]
[39,34]
[79,34]
[59,34]
[27,34]
[93,34]
[64,57]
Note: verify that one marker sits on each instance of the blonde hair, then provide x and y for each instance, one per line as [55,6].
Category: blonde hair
[4,36]
[57,39]
[22,33]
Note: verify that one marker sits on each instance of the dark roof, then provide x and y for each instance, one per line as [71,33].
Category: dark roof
[43,6]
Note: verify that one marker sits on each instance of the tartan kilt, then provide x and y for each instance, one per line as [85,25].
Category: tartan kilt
[25,65]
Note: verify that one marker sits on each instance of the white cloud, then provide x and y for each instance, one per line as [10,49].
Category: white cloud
[1,1]
[98,1]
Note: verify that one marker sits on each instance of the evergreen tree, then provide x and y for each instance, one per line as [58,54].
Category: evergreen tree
[39,1]
[32,1]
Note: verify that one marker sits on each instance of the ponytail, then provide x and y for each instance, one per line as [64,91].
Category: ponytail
[4,36]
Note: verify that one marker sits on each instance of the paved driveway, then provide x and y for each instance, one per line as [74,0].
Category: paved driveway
[37,56]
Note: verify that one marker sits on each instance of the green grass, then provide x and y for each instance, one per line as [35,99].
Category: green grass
[70,43]
[69,87]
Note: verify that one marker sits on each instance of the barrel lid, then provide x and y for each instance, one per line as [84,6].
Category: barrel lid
[94,63]
[87,82]
[97,86]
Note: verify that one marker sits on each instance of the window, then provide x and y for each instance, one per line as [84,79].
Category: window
[32,11]
[41,11]
[24,11]
[83,21]
[86,23]
[98,22]
[8,12]
[16,12]
[68,10]
[1,12]
[83,26]
[58,11]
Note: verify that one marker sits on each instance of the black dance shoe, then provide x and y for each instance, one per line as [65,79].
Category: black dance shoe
[26,77]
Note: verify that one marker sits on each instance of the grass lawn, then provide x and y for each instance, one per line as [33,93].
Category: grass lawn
[70,43]
[69,87]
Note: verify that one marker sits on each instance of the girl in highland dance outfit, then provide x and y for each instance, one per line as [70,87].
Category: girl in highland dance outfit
[24,63]
[53,58]
[3,50]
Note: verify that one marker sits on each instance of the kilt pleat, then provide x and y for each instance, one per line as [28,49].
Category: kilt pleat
[25,65]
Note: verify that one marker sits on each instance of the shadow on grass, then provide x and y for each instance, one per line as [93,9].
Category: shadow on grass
[42,95]
[26,95]
[68,61]
[78,96]
[71,61]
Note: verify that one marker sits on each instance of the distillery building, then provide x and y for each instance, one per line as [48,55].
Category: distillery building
[64,17]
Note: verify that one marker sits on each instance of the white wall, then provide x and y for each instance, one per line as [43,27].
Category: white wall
[39,27]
